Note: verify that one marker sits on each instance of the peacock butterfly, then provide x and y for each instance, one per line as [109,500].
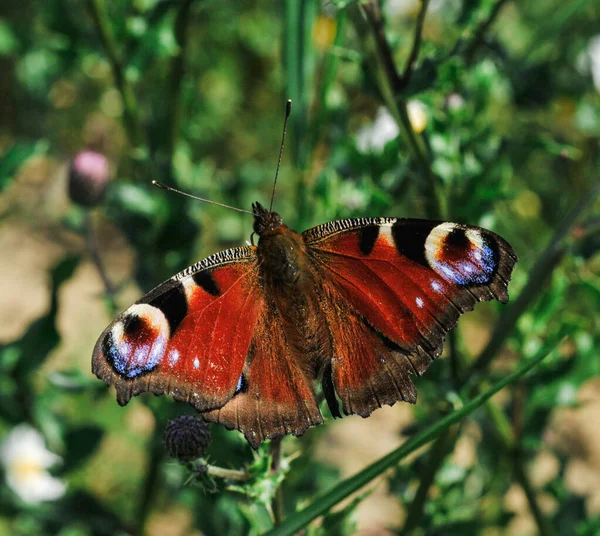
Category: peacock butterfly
[358,304]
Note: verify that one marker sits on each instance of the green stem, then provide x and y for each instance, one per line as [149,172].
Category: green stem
[330,66]
[544,526]
[132,125]
[414,53]
[227,474]
[482,29]
[550,27]
[322,503]
[441,448]
[92,247]
[369,25]
[176,79]
[157,452]
[501,423]
[278,501]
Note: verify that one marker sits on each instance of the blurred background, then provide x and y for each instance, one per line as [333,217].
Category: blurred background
[485,112]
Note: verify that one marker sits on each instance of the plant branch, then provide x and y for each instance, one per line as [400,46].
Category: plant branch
[414,53]
[544,526]
[176,79]
[482,29]
[369,25]
[151,481]
[278,502]
[132,125]
[226,474]
[92,247]
[440,449]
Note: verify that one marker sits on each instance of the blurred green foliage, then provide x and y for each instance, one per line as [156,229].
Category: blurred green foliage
[478,111]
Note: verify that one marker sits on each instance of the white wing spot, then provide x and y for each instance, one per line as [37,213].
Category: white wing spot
[196,363]
[419,302]
[173,357]
[436,286]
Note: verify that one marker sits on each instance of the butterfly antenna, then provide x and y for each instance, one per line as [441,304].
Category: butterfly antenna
[168,188]
[288,109]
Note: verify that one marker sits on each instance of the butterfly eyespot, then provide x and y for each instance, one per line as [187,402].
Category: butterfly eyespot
[461,256]
[136,343]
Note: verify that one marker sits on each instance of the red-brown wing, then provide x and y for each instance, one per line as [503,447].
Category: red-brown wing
[402,284]
[275,396]
[189,337]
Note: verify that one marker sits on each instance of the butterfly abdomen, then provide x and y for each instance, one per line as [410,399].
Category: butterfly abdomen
[290,281]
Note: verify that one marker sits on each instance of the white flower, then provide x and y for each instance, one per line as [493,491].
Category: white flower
[26,458]
[455,101]
[373,137]
[594,54]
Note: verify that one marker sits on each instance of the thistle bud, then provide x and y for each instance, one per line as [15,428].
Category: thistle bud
[89,175]
[187,438]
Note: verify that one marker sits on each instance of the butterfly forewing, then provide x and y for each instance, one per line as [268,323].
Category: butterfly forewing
[404,283]
[189,337]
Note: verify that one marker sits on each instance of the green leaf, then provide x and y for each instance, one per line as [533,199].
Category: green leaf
[81,444]
[323,503]
[14,157]
[8,42]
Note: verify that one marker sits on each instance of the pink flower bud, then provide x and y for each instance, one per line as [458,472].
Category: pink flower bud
[89,176]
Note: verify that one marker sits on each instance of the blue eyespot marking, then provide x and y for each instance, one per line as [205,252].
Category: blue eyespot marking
[137,343]
[461,256]
[240,384]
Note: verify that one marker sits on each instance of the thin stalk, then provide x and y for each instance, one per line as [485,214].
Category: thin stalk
[176,80]
[92,247]
[440,449]
[483,28]
[369,25]
[330,65]
[130,107]
[227,474]
[476,36]
[157,453]
[455,359]
[550,27]
[278,500]
[414,53]
[544,526]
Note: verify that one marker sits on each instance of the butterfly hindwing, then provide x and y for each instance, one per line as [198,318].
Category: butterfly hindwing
[404,283]
[189,337]
[276,397]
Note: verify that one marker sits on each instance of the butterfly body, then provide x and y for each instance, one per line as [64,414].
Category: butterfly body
[359,305]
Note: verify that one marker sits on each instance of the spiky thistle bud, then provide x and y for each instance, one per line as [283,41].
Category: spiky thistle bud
[187,437]
[89,176]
